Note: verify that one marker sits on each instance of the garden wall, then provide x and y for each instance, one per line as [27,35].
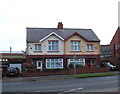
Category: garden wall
[64,71]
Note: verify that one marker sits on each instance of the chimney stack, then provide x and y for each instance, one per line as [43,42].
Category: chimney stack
[60,25]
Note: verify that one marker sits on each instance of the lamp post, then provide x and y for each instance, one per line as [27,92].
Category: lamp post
[10,50]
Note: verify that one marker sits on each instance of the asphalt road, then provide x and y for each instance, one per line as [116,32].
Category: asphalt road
[97,84]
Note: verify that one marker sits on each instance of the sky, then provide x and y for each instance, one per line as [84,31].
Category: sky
[16,15]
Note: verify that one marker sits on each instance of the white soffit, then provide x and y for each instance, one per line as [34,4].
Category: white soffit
[53,33]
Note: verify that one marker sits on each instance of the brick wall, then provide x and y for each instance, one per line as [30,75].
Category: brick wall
[115,52]
[65,71]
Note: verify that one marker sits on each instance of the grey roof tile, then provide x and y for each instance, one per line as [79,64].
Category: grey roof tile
[36,34]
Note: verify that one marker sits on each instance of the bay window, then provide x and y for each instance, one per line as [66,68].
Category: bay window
[54,63]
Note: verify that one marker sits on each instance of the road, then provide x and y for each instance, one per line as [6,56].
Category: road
[96,84]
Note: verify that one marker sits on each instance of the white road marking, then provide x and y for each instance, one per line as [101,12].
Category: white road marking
[73,90]
[70,90]
[63,91]
[106,77]
[37,91]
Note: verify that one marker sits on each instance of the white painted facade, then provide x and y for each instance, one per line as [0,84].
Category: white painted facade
[44,45]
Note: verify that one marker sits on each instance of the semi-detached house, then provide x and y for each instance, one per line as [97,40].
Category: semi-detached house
[53,48]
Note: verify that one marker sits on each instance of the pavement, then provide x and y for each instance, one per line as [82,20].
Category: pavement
[40,78]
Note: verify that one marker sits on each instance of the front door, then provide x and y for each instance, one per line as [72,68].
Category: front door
[39,65]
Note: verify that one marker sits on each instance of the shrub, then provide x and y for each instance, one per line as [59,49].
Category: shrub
[28,67]
[79,66]
[30,70]
[51,70]
[71,66]
[65,67]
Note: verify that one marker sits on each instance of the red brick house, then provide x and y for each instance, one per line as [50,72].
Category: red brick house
[115,47]
[105,54]
[111,53]
[53,48]
[105,50]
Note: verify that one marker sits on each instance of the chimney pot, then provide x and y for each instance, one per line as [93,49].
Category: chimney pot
[60,25]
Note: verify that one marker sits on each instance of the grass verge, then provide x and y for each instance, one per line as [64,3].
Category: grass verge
[94,75]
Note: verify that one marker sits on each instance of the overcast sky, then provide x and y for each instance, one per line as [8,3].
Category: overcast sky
[15,15]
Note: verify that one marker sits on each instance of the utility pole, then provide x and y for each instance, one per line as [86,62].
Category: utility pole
[10,50]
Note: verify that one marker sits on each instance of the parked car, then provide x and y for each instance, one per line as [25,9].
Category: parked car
[3,70]
[12,71]
[111,66]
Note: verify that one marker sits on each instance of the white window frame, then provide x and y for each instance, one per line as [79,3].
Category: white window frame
[90,47]
[93,62]
[76,60]
[52,46]
[75,46]
[116,46]
[37,47]
[54,62]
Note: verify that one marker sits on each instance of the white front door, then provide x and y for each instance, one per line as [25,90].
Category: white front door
[39,65]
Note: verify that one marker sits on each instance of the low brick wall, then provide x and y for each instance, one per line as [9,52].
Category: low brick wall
[65,71]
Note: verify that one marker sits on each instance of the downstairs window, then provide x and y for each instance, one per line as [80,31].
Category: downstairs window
[54,63]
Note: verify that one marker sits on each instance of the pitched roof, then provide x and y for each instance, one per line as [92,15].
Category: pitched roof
[36,34]
[117,34]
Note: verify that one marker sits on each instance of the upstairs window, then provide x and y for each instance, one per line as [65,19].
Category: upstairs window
[38,47]
[117,46]
[89,47]
[53,46]
[75,46]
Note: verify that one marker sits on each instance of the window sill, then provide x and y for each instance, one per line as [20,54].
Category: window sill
[52,51]
[55,68]
[89,51]
[37,51]
[75,51]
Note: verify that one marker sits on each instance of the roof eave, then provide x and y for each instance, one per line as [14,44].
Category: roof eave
[78,35]
[53,33]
